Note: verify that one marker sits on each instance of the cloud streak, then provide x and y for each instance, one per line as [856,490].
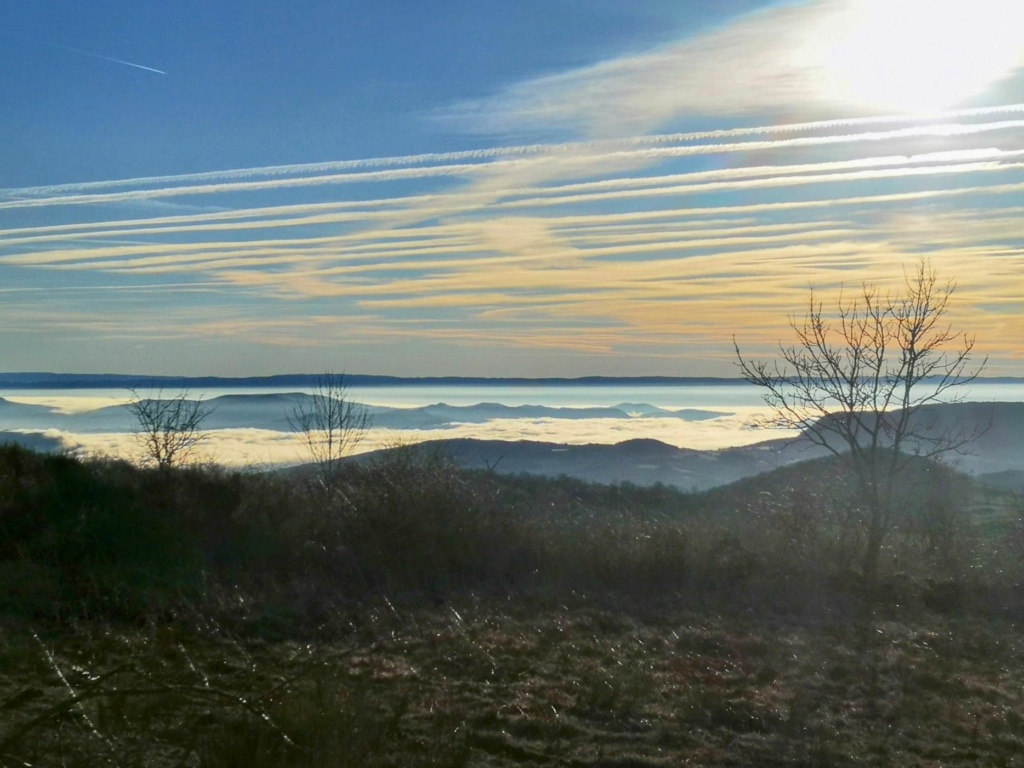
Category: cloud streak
[111,59]
[620,244]
[24,198]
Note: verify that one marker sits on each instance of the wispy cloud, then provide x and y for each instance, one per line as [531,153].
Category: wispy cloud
[774,61]
[619,242]
[500,176]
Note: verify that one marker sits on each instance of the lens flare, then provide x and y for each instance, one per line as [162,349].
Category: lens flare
[916,55]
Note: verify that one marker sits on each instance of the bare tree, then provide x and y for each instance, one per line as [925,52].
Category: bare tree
[855,381]
[331,425]
[168,429]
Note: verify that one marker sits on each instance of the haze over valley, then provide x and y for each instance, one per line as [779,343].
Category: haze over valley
[675,442]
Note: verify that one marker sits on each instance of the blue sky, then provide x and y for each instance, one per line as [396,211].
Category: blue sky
[569,187]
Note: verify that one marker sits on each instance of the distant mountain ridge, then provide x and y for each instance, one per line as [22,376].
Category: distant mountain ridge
[43,380]
[997,447]
[640,462]
[274,411]
[995,455]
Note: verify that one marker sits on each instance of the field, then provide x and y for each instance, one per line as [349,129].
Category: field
[517,684]
[421,615]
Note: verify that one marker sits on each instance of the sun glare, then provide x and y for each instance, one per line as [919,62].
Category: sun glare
[918,55]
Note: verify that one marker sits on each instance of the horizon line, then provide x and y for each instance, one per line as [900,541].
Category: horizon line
[46,379]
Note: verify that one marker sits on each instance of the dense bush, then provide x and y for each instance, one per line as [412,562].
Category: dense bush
[83,537]
[466,617]
[95,537]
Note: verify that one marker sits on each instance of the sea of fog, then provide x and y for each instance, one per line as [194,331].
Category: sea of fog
[417,395]
[728,416]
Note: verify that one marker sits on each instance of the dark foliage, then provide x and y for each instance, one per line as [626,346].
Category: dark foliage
[467,618]
[103,538]
[88,538]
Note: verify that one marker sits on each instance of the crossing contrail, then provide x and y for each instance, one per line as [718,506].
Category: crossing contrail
[46,43]
[109,58]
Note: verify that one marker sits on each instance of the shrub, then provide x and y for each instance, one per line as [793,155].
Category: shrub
[87,527]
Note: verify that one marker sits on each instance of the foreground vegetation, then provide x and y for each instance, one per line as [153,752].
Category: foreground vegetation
[414,614]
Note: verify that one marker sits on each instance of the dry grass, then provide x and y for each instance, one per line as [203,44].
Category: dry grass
[422,616]
[523,684]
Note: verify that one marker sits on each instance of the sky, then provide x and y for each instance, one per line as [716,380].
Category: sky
[523,188]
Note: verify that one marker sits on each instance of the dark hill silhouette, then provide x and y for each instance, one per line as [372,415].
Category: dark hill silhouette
[829,476]
[641,462]
[442,415]
[1007,480]
[273,411]
[990,434]
[996,447]
[996,428]
[32,441]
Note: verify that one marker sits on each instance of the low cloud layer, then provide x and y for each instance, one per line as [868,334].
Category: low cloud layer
[263,448]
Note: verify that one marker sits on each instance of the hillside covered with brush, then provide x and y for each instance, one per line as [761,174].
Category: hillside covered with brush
[421,614]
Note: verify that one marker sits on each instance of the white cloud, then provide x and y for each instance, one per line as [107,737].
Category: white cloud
[264,448]
[614,243]
[777,61]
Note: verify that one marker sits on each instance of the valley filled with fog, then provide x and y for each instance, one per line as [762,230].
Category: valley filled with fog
[688,435]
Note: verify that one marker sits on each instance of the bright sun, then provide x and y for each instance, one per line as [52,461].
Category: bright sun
[918,55]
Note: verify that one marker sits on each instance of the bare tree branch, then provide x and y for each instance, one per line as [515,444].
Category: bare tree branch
[168,429]
[855,382]
[331,424]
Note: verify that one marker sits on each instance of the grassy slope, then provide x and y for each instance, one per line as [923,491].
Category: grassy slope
[419,615]
[491,684]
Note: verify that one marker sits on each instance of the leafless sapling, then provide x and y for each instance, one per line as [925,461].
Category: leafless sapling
[856,378]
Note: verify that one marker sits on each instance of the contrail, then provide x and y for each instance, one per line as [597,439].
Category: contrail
[109,58]
[649,154]
[524,151]
[49,44]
